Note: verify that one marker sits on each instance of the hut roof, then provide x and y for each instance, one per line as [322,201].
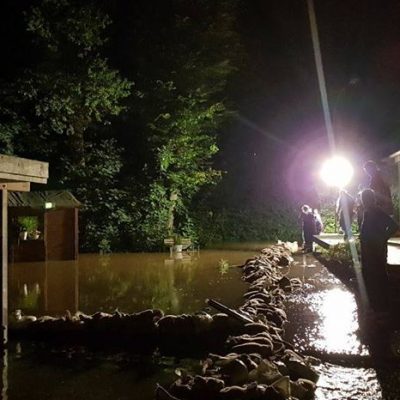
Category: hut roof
[37,199]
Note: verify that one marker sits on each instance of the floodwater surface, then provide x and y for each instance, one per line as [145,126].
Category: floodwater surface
[322,317]
[323,314]
[128,282]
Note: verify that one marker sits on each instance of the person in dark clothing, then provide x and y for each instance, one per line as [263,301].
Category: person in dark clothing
[309,227]
[380,187]
[345,209]
[359,210]
[376,228]
[319,225]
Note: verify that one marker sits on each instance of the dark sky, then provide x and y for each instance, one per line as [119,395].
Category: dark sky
[280,125]
[281,110]
[360,43]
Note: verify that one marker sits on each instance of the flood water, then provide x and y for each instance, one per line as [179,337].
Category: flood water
[323,321]
[128,282]
[322,315]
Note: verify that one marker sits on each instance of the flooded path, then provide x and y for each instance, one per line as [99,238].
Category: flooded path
[322,318]
[323,315]
[128,282]
[323,321]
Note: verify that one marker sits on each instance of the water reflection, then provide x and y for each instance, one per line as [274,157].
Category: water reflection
[338,312]
[323,316]
[128,282]
[338,382]
[325,321]
[46,373]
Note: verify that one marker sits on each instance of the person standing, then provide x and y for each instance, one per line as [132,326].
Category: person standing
[345,212]
[309,227]
[376,228]
[380,187]
[319,225]
[359,210]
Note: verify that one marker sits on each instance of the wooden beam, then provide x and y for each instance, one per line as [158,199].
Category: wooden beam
[6,177]
[16,186]
[24,166]
[4,266]
[321,242]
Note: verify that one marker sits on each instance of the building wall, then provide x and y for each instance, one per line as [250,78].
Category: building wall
[61,234]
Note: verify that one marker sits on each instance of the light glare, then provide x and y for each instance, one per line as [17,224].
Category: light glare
[337,171]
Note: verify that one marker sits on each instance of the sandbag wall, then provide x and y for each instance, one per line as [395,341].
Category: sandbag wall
[257,364]
[256,361]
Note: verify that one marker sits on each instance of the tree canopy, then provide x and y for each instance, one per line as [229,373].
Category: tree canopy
[127,114]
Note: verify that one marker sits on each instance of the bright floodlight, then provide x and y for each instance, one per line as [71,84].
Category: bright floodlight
[337,171]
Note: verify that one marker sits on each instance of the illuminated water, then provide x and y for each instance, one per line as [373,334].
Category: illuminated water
[323,318]
[130,282]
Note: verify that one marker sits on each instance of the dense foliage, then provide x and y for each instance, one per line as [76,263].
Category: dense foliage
[131,130]
[247,224]
[341,253]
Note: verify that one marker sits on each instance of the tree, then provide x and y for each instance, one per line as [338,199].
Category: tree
[72,88]
[57,111]
[182,79]
[163,137]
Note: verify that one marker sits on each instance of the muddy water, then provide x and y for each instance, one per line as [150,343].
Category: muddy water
[323,315]
[128,282]
[322,318]
[323,321]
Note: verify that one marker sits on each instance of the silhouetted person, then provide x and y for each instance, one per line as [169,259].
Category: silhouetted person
[359,209]
[319,225]
[376,229]
[379,186]
[345,211]
[309,227]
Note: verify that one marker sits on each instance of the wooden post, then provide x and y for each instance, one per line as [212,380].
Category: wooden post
[4,265]
[173,197]
[397,206]
[76,232]
[4,375]
[76,282]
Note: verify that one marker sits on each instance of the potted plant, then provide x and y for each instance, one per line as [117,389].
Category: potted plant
[28,226]
[23,234]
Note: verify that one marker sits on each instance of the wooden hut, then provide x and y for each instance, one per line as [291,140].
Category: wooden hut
[53,216]
[16,174]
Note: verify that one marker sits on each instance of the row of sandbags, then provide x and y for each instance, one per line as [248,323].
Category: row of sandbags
[259,364]
[150,326]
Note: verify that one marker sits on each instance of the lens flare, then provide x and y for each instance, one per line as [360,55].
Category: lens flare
[337,171]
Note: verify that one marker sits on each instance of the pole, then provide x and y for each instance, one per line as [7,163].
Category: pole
[320,74]
[232,313]
[4,265]
[4,375]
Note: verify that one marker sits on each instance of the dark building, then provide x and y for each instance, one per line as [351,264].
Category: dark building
[43,226]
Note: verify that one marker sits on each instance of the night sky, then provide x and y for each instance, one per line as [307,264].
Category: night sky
[360,44]
[280,123]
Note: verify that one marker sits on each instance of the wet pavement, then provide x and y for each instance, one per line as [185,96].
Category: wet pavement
[323,322]
[323,314]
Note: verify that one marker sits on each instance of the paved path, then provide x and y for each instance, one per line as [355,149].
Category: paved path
[330,239]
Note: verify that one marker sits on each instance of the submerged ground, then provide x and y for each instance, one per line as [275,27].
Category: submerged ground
[322,319]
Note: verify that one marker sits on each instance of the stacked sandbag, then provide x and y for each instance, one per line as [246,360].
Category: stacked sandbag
[259,363]
[149,327]
[247,376]
[81,327]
